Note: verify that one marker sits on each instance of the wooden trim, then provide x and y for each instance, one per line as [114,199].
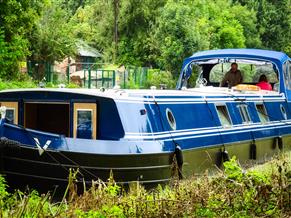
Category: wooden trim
[12,105]
[86,106]
[45,102]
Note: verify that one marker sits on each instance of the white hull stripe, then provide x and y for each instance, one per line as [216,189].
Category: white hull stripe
[210,128]
[200,100]
[216,131]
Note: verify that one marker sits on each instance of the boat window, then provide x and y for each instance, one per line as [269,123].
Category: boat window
[11,111]
[283,111]
[10,114]
[262,112]
[171,119]
[223,115]
[243,109]
[251,71]
[85,120]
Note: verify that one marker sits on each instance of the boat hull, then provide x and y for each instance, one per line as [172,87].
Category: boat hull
[198,161]
[23,165]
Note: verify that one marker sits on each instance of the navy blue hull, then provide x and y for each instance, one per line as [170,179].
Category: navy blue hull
[22,165]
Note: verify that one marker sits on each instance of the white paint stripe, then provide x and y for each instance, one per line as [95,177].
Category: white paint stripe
[201,136]
[198,101]
[210,128]
[217,131]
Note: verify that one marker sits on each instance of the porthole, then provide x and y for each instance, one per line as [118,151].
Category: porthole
[171,119]
[283,111]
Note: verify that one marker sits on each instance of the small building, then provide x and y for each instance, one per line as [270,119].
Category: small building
[85,57]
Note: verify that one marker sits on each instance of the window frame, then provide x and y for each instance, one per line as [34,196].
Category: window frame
[244,112]
[92,107]
[264,114]
[11,106]
[228,118]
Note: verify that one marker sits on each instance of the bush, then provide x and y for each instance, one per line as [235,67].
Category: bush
[158,78]
[234,193]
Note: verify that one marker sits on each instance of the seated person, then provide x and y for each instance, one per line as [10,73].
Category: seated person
[233,77]
[263,83]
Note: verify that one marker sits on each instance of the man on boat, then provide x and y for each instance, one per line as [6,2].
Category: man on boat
[233,77]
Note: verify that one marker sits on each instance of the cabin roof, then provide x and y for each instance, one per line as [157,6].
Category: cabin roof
[259,54]
[242,53]
[144,95]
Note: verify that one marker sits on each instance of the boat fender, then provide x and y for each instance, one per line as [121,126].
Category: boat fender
[253,151]
[274,146]
[179,159]
[179,156]
[225,155]
[280,142]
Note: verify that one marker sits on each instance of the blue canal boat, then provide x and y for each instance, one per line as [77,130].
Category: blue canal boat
[135,134]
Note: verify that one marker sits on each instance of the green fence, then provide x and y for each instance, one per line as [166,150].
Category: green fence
[96,77]
[93,75]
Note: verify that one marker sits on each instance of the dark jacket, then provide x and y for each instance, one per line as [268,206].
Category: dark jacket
[232,78]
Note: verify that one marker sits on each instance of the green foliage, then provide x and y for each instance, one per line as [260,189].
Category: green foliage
[3,192]
[52,39]
[273,23]
[260,192]
[10,54]
[17,19]
[233,170]
[155,34]
[158,78]
[162,33]
[93,23]
[16,84]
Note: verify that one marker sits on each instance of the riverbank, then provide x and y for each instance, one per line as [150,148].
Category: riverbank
[261,191]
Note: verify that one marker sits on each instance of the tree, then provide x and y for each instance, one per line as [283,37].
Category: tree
[137,20]
[94,24]
[189,26]
[17,19]
[275,18]
[51,39]
[273,23]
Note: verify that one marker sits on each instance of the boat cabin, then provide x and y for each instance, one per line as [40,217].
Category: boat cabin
[70,113]
[208,68]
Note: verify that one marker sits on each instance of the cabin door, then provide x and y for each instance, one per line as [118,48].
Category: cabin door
[11,111]
[85,115]
[48,117]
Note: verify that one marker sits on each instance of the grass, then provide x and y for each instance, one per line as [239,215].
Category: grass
[263,191]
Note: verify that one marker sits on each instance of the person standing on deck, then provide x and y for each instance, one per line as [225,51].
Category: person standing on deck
[233,77]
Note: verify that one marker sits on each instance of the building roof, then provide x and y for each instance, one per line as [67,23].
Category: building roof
[87,51]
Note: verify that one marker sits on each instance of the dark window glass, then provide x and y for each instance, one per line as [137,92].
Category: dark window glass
[10,114]
[84,124]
